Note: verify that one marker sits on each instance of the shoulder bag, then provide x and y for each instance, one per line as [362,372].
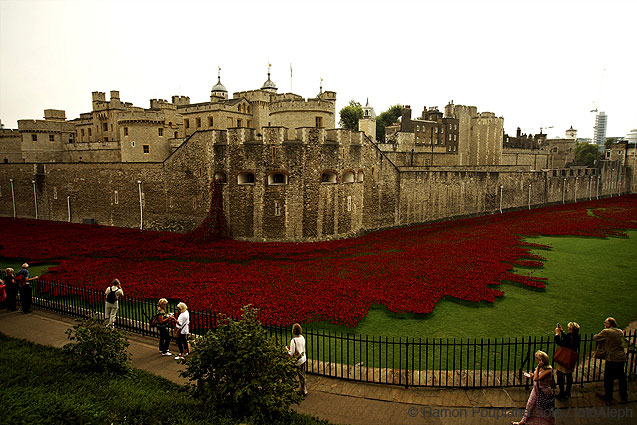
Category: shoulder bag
[565,357]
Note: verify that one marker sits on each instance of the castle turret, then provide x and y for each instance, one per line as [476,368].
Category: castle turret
[367,124]
[269,86]
[218,90]
[571,133]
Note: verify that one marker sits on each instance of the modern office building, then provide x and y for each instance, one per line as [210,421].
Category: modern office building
[599,131]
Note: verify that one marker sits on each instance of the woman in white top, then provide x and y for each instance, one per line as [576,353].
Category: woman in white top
[182,330]
[297,350]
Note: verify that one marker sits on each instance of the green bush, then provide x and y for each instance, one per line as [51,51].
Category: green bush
[240,370]
[97,348]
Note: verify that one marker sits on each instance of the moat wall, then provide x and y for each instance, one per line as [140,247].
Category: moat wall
[365,191]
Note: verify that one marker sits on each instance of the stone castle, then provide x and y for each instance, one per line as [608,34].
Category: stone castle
[287,174]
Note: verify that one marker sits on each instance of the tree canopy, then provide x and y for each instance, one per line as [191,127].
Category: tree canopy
[350,115]
[386,118]
[587,153]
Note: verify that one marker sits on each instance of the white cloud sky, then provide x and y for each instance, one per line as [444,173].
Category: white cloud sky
[536,63]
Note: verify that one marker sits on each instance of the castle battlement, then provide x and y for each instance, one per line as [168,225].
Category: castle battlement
[344,136]
[275,135]
[54,115]
[301,105]
[162,104]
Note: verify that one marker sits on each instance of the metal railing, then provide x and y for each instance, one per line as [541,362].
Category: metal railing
[429,362]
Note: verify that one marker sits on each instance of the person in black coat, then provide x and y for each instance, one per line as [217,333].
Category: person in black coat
[568,340]
[12,290]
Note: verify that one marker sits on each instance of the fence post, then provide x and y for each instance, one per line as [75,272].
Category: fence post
[407,362]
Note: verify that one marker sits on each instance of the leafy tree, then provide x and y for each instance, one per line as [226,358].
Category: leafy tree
[587,153]
[240,370]
[610,140]
[386,118]
[97,348]
[350,115]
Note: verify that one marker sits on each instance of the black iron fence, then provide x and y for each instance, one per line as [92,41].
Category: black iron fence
[435,362]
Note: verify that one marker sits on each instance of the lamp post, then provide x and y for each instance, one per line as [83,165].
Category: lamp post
[564,191]
[576,189]
[35,199]
[141,205]
[68,206]
[501,199]
[12,197]
[590,188]
[599,181]
[529,195]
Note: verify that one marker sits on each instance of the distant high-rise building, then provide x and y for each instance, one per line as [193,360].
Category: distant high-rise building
[599,133]
[632,136]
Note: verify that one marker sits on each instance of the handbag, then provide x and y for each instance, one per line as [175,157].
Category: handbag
[565,357]
[544,401]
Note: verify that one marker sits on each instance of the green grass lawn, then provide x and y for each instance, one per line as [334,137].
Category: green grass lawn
[589,280]
[41,386]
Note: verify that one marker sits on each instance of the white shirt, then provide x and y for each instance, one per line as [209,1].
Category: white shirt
[183,321]
[118,293]
[297,345]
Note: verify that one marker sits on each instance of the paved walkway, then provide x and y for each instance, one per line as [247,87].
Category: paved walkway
[344,402]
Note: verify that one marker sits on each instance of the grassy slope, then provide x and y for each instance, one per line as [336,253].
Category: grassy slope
[39,386]
[589,279]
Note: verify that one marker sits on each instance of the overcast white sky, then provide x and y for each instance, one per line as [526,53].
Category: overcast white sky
[536,63]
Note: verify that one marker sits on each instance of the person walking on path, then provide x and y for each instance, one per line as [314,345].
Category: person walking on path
[181,331]
[541,403]
[24,281]
[113,294]
[163,320]
[296,349]
[571,341]
[610,348]
[12,290]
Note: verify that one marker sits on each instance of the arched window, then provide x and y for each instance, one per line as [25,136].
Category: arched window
[328,177]
[275,179]
[348,177]
[220,177]
[361,176]
[239,108]
[245,178]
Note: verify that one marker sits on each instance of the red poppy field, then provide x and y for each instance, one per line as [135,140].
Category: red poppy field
[407,269]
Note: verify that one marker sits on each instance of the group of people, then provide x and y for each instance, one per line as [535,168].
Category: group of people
[165,321]
[19,283]
[539,406]
[541,402]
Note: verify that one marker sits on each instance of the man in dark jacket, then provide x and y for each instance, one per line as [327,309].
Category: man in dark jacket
[24,280]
